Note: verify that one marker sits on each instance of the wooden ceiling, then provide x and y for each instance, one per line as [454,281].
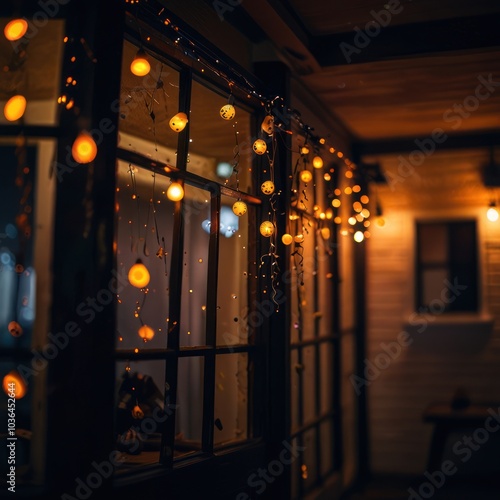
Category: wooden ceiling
[421,72]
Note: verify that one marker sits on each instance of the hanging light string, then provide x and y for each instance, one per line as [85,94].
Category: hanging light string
[271,256]
[135,196]
[161,252]
[185,44]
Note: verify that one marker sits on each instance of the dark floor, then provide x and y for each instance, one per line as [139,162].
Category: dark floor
[412,488]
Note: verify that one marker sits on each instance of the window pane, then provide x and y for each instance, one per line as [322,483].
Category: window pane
[295,371]
[140,415]
[309,383]
[326,366]
[433,243]
[296,471]
[146,106]
[231,397]
[189,413]
[232,287]
[196,211]
[212,151]
[309,468]
[327,444]
[144,231]
[433,284]
[17,236]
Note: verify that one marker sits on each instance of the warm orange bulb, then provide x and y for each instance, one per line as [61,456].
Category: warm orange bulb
[287,239]
[15,29]
[175,192]
[317,162]
[306,176]
[84,149]
[267,228]
[13,383]
[14,108]
[325,233]
[140,65]
[146,332]
[138,275]
[178,122]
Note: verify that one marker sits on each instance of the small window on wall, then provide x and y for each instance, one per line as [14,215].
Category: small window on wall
[447,267]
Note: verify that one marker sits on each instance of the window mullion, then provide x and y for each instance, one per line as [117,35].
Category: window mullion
[175,285]
[211,324]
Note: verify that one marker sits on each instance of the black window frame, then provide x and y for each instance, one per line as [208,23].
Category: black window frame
[458,272]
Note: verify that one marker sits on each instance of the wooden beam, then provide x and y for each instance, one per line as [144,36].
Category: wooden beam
[378,43]
[471,140]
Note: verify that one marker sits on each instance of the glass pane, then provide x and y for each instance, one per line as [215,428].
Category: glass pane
[295,331]
[231,397]
[25,71]
[307,303]
[144,232]
[309,383]
[433,243]
[326,373]
[196,212]
[189,413]
[146,106]
[309,467]
[327,444]
[212,152]
[325,290]
[232,288]
[433,284]
[296,472]
[17,235]
[140,415]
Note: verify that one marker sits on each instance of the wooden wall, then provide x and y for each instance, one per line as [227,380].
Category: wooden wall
[441,357]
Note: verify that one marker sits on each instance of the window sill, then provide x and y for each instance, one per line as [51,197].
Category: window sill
[473,322]
[452,333]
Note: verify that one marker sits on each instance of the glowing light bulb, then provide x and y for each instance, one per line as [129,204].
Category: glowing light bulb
[492,214]
[287,239]
[260,146]
[239,208]
[267,228]
[304,150]
[227,112]
[178,122]
[84,149]
[14,108]
[359,236]
[13,383]
[306,176]
[175,192]
[140,65]
[15,29]
[146,332]
[138,275]
[317,162]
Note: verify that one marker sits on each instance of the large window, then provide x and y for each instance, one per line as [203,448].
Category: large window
[447,266]
[184,347]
